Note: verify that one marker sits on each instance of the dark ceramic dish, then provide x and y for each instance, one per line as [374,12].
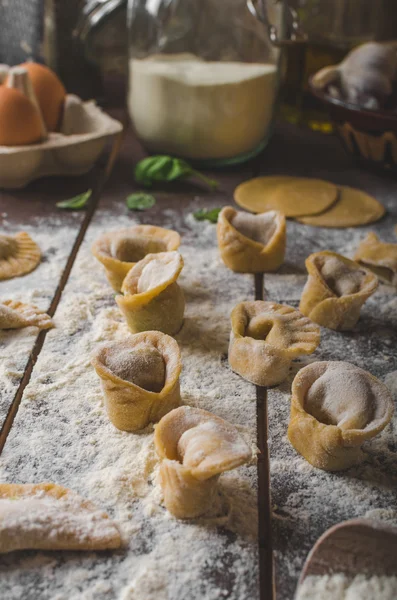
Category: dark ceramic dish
[366,134]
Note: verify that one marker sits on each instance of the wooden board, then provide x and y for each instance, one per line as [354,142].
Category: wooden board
[297,491]
[33,210]
[307,501]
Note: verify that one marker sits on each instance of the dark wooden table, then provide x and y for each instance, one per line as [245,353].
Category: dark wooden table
[286,530]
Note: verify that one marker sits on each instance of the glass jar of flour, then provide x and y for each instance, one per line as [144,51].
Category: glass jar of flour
[204,75]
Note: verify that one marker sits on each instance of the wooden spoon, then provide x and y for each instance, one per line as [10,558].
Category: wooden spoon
[359,546]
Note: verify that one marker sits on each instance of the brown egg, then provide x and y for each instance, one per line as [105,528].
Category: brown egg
[20,122]
[49,91]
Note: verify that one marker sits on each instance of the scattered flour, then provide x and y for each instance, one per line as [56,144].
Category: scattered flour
[55,240]
[341,587]
[68,439]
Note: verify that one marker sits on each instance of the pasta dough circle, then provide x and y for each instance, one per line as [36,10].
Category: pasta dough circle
[292,196]
[353,208]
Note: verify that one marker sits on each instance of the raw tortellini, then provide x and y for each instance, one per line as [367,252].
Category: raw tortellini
[120,250]
[19,255]
[335,290]
[151,298]
[140,378]
[335,408]
[251,243]
[195,447]
[378,257]
[265,337]
[47,516]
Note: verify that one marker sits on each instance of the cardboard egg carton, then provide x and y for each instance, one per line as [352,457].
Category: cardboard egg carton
[72,151]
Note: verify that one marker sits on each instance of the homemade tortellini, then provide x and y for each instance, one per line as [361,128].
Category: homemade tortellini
[151,298]
[335,290]
[251,243]
[379,257]
[46,516]
[140,378]
[195,447]
[335,408]
[16,315]
[19,255]
[265,337]
[120,250]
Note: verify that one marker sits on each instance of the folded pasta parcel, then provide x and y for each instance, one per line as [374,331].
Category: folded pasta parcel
[335,408]
[151,298]
[378,257]
[19,255]
[120,250]
[140,378]
[335,290]
[195,447]
[251,243]
[266,337]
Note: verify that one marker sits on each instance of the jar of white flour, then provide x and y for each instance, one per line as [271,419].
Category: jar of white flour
[203,76]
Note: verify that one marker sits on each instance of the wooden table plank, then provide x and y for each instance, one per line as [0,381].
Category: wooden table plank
[81,449]
[307,501]
[33,210]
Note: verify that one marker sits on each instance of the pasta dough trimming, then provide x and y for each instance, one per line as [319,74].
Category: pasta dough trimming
[47,516]
[16,315]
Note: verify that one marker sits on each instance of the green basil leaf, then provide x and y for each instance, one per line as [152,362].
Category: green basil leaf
[207,214]
[140,201]
[166,168]
[76,203]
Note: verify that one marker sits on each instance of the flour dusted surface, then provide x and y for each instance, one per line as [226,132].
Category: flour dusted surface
[55,240]
[307,501]
[69,440]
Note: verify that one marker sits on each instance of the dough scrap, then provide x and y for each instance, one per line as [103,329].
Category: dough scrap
[353,208]
[251,243]
[19,255]
[335,408]
[335,290]
[378,257]
[292,196]
[47,516]
[16,315]
[265,338]
[140,378]
[151,298]
[195,447]
[120,250]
